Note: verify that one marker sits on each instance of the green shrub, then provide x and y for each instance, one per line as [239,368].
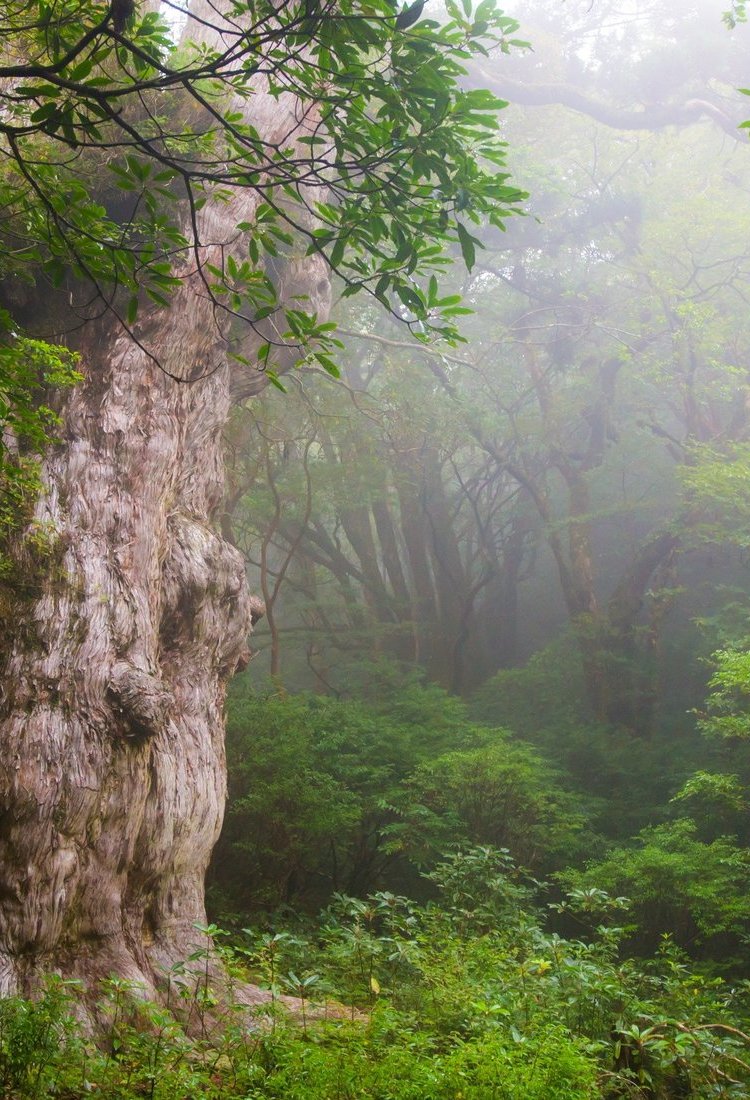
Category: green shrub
[328,795]
[678,885]
[352,1062]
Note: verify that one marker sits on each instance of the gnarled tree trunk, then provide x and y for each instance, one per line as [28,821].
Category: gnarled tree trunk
[116,658]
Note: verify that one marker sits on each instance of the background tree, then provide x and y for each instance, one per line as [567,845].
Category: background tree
[606,343]
[409,545]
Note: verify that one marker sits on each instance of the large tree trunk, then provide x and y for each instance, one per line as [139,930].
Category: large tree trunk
[116,658]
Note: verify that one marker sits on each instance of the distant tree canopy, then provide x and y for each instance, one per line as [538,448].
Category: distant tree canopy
[649,67]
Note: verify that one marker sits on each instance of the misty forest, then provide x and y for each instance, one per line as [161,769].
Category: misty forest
[374,550]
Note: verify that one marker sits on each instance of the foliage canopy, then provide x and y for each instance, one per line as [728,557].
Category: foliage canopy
[116,131]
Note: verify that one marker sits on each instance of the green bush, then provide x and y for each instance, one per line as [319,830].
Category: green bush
[356,1062]
[310,781]
[503,793]
[622,782]
[328,795]
[678,885]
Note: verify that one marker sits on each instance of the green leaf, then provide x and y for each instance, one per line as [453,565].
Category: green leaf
[273,378]
[468,246]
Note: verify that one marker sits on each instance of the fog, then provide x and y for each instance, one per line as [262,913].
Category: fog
[460,508]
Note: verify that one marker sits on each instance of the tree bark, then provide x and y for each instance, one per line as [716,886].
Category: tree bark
[115,662]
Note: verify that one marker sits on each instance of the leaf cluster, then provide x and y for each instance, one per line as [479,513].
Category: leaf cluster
[384,161]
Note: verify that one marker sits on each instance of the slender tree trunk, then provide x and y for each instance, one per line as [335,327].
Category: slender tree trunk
[357,525]
[451,584]
[390,553]
[402,643]
[632,693]
[424,609]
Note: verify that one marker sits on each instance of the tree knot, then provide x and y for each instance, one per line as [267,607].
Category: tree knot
[140,702]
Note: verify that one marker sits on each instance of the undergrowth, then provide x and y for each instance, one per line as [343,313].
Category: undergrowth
[465,998]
